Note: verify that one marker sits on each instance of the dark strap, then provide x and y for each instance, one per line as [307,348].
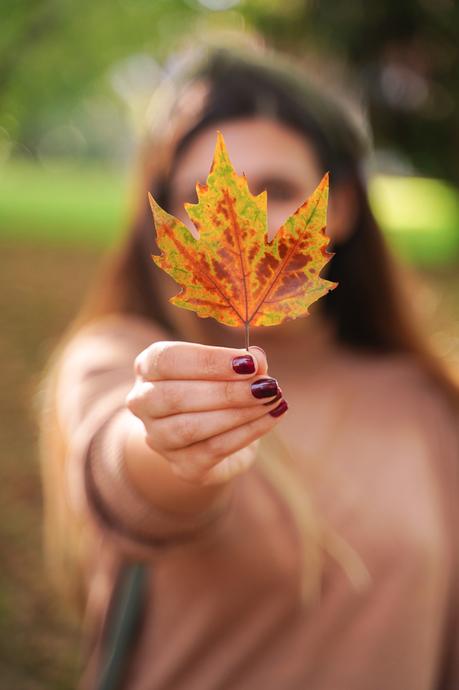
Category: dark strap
[122,624]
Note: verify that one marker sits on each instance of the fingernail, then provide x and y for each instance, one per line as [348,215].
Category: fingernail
[280,409]
[274,400]
[244,364]
[264,388]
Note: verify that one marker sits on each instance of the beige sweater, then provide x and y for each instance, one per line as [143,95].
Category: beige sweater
[222,609]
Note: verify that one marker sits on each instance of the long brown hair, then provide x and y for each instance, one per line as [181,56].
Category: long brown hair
[368,309]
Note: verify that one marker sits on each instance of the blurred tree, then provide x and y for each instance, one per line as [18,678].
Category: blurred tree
[55,53]
[405,54]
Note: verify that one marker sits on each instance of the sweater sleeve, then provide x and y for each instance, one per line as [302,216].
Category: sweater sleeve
[95,376]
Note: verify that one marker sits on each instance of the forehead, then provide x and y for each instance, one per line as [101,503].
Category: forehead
[257,146]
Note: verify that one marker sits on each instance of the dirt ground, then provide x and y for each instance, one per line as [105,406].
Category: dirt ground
[40,291]
[41,287]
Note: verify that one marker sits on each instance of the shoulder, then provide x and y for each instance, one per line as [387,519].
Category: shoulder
[97,362]
[110,341]
[121,328]
[398,390]
[402,417]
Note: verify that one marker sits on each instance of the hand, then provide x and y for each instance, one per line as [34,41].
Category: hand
[204,408]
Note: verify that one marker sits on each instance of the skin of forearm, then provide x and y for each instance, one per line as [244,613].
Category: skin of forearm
[151,475]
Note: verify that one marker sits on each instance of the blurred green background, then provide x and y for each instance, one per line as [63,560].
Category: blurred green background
[75,81]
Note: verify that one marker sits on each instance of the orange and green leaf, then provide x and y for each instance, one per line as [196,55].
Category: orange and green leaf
[230,271]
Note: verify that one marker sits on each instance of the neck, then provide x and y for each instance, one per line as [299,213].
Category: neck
[297,346]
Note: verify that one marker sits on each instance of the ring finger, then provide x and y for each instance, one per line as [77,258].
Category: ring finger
[182,430]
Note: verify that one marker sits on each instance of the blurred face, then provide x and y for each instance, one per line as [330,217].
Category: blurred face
[273,157]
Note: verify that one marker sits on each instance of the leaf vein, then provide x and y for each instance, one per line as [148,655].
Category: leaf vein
[283,264]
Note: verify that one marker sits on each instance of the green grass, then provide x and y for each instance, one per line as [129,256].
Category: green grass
[62,204]
[420,217]
[87,206]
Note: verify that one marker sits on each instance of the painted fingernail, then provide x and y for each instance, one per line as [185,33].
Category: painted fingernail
[264,388]
[244,364]
[280,409]
[274,400]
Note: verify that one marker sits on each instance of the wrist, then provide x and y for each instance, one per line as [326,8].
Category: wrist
[153,477]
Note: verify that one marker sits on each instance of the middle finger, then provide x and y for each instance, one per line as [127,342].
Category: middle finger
[163,398]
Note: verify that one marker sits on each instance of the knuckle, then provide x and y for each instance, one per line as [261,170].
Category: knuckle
[161,358]
[139,398]
[139,364]
[154,437]
[154,434]
[230,392]
[132,400]
[208,363]
[155,361]
[172,397]
[152,398]
[184,431]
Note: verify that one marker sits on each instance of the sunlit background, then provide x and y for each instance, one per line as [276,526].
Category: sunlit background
[76,82]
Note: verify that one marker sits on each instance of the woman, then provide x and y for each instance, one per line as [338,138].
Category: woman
[308,548]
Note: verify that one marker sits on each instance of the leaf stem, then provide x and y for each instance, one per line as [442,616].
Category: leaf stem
[247,326]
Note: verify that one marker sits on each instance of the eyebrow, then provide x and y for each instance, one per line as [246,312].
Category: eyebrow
[259,184]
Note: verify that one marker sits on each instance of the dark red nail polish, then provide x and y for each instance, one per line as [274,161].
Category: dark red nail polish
[274,400]
[244,364]
[280,409]
[264,388]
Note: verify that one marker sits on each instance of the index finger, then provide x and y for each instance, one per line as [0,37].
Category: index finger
[192,361]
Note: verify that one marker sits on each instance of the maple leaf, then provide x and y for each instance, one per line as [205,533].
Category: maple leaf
[228,269]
